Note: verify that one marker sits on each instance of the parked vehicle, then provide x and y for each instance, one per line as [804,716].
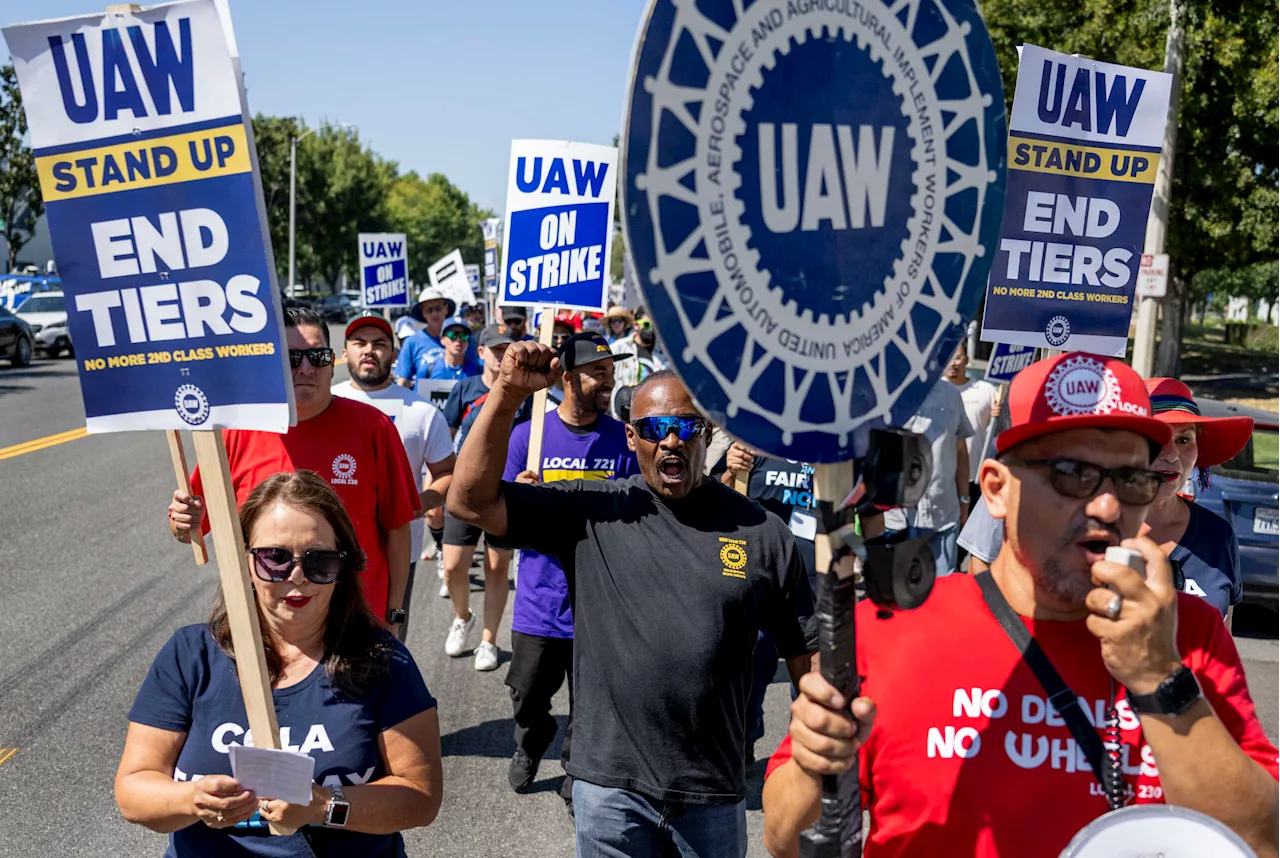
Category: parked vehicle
[46,313]
[1245,491]
[335,308]
[16,339]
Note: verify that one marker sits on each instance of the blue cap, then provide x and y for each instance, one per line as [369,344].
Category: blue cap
[455,322]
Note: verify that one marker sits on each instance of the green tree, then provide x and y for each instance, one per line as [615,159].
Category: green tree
[20,202]
[272,135]
[435,217]
[1223,211]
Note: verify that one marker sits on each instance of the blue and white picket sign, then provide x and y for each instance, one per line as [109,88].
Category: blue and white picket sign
[144,153]
[1084,147]
[473,276]
[384,269]
[812,193]
[559,224]
[489,227]
[1009,360]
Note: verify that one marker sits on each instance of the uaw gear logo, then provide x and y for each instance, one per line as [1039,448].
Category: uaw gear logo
[1058,331]
[344,470]
[812,191]
[733,555]
[191,404]
[1082,385]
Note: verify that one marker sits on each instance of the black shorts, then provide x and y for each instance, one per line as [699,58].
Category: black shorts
[460,533]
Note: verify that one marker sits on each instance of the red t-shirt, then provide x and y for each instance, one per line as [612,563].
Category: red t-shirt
[962,759]
[357,449]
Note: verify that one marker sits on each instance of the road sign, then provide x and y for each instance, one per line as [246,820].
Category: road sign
[1084,145]
[384,269]
[810,253]
[1153,275]
[559,224]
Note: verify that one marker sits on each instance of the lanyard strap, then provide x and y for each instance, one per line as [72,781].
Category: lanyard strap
[1061,697]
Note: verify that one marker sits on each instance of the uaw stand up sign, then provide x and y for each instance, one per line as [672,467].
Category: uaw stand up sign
[812,192]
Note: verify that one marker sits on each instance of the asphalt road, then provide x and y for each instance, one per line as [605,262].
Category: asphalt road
[91,586]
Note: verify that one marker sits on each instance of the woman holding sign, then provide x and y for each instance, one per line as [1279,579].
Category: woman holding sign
[347,694]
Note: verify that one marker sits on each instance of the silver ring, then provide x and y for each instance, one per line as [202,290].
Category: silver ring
[220,816]
[1113,608]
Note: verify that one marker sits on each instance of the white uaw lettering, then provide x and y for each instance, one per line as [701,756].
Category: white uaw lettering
[1025,757]
[949,742]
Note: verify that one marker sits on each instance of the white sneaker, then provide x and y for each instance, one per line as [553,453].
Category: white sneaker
[486,656]
[444,585]
[456,643]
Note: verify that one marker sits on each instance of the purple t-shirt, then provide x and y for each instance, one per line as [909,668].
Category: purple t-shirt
[542,604]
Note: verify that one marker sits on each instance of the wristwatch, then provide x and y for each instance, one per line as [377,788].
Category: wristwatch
[337,810]
[396,616]
[1172,697]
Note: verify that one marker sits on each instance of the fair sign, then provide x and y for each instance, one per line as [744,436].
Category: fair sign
[559,224]
[384,269]
[154,207]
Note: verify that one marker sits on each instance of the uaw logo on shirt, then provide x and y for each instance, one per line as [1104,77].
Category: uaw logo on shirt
[1082,385]
[191,404]
[812,188]
[344,470]
[733,555]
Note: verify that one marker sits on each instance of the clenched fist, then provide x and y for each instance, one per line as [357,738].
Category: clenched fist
[527,367]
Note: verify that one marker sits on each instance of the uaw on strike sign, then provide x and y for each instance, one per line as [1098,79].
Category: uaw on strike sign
[148,175]
[812,192]
[559,224]
[1084,145]
[384,269]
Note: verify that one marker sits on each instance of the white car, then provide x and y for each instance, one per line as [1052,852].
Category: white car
[46,313]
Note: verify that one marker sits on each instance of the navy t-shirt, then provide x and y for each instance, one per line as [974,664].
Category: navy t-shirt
[192,688]
[1208,556]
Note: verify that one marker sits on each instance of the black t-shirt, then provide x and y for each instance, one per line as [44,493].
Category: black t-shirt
[668,598]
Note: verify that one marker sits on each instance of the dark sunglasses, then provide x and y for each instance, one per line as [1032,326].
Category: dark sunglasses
[321,566]
[557,340]
[318,357]
[658,428]
[456,334]
[1076,479]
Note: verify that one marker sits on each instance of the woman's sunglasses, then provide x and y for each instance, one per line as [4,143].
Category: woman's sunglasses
[321,566]
[657,428]
[456,334]
[317,357]
[1075,479]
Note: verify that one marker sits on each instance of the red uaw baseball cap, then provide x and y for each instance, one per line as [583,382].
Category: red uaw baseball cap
[373,320]
[1079,391]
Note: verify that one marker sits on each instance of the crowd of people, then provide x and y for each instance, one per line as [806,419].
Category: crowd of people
[663,570]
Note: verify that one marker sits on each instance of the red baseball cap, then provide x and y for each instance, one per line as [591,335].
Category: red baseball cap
[1078,391]
[370,319]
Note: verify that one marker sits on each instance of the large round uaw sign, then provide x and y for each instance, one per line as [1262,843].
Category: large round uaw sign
[813,191]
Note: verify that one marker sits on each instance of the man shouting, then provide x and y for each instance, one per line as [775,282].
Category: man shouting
[672,576]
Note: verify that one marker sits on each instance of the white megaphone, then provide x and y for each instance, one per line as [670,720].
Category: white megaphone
[1150,830]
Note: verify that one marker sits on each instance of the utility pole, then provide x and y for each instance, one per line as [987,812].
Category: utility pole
[1144,337]
[293,188]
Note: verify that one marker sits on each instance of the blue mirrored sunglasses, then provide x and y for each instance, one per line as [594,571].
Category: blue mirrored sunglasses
[657,428]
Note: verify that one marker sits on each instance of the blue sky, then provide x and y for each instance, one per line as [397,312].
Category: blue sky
[440,86]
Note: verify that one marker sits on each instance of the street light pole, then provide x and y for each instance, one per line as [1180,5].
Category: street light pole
[293,191]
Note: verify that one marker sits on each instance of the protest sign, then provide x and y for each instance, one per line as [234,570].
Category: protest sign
[1084,144]
[1009,360]
[449,275]
[147,167]
[435,390]
[559,224]
[489,227]
[473,276]
[810,255]
[384,269]
[146,170]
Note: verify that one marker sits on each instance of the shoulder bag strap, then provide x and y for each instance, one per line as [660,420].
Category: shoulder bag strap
[1061,697]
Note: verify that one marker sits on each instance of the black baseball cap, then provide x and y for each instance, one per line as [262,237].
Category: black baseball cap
[495,335]
[584,348]
[515,313]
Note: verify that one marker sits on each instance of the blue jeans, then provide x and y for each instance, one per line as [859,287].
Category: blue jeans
[619,823]
[946,553]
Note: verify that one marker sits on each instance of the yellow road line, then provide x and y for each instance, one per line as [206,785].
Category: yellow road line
[42,443]
[6,754]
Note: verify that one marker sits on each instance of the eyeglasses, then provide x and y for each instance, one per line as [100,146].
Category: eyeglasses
[317,357]
[321,566]
[455,334]
[557,340]
[1075,479]
[658,428]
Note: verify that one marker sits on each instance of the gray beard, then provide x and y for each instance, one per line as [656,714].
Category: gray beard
[1062,584]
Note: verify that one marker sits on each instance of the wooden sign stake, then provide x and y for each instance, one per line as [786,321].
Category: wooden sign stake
[179,458]
[237,591]
[832,483]
[534,460]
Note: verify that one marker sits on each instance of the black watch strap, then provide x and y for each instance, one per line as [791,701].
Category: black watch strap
[1172,697]
[396,616]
